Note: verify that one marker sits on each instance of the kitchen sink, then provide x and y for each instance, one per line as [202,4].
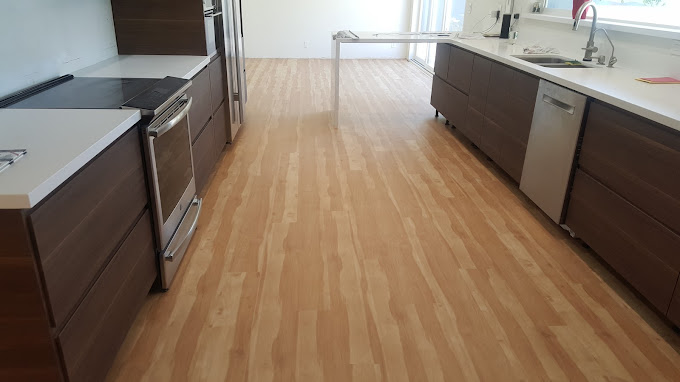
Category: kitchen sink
[557,62]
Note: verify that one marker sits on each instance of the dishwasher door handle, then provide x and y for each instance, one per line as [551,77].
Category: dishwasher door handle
[559,104]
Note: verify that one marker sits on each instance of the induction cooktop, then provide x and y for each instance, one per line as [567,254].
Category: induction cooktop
[70,92]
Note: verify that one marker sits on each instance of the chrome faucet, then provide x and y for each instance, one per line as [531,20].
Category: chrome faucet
[590,46]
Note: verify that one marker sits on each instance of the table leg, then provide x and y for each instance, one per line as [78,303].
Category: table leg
[335,82]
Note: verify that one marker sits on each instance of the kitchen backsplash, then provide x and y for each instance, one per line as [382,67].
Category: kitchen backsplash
[43,39]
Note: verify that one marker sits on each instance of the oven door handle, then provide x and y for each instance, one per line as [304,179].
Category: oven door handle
[170,256]
[167,126]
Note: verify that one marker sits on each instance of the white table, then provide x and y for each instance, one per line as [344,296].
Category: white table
[349,37]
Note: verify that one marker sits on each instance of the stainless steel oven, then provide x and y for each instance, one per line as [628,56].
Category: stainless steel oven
[171,179]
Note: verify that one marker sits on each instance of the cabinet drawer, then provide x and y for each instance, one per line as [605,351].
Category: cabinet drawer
[511,100]
[674,309]
[92,337]
[491,140]
[460,69]
[513,152]
[441,61]
[633,243]
[78,228]
[217,82]
[474,123]
[479,84]
[449,101]
[201,108]
[635,158]
[219,119]
[204,155]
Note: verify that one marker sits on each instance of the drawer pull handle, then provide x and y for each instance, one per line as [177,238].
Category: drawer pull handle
[559,104]
[170,256]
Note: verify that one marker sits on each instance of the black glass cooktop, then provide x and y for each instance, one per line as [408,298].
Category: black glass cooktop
[87,93]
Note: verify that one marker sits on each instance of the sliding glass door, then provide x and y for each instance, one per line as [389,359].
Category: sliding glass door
[435,16]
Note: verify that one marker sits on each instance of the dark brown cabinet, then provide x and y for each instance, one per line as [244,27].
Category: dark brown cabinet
[625,200]
[218,83]
[490,103]
[204,155]
[221,129]
[201,105]
[449,101]
[674,309]
[441,61]
[460,69]
[160,27]
[209,112]
[75,288]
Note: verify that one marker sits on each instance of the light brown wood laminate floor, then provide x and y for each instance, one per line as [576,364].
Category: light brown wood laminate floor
[387,249]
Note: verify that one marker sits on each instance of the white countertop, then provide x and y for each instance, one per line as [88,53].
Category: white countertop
[140,66]
[59,143]
[616,86]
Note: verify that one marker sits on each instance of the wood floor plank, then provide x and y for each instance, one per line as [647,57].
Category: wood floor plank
[387,249]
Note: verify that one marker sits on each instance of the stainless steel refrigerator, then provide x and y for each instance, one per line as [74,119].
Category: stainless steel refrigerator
[235,61]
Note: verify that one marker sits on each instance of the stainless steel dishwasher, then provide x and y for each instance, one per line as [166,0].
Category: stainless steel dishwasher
[554,135]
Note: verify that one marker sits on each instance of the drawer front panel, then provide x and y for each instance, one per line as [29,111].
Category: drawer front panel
[674,309]
[460,69]
[449,101]
[636,159]
[513,152]
[625,237]
[201,107]
[511,100]
[92,337]
[217,82]
[474,123]
[441,61]
[78,228]
[491,140]
[204,155]
[219,119]
[479,85]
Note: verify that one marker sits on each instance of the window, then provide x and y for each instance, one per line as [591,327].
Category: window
[660,13]
[436,16]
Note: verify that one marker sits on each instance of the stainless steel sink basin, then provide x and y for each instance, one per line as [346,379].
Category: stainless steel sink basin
[557,62]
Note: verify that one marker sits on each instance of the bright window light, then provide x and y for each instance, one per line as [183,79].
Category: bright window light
[660,13]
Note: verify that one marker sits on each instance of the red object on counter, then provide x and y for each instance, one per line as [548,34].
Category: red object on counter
[577,5]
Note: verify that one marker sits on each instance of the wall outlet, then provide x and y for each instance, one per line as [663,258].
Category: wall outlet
[306,44]
[469,7]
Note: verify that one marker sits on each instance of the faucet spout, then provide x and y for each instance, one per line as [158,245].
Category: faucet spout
[590,46]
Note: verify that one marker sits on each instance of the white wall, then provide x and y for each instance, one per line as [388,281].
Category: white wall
[651,56]
[42,39]
[279,28]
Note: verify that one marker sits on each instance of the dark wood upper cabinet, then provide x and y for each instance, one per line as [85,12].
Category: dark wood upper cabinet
[159,27]
[635,158]
[460,69]
[201,104]
[441,61]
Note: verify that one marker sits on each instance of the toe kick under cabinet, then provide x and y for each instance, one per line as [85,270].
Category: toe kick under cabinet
[490,103]
[76,269]
[625,201]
